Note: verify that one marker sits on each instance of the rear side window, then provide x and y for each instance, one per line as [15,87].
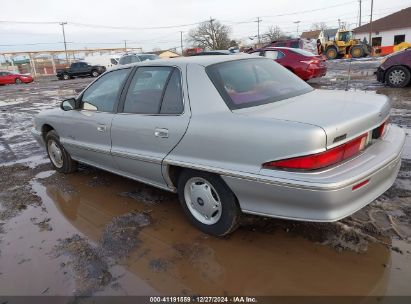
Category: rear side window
[173,98]
[303,52]
[252,82]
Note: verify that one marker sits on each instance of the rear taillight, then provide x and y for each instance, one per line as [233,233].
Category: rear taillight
[310,61]
[323,159]
[378,132]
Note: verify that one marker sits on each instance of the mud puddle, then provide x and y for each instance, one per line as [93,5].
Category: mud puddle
[101,241]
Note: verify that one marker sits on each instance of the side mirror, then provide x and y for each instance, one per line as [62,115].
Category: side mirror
[69,104]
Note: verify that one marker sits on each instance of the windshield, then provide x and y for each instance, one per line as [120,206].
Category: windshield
[253,82]
[148,57]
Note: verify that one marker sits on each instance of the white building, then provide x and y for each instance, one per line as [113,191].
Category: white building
[390,30]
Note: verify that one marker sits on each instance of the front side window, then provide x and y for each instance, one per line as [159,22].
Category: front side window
[253,82]
[103,94]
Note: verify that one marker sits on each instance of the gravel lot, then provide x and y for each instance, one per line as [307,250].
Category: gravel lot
[94,233]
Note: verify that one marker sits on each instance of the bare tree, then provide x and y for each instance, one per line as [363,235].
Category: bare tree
[210,35]
[273,33]
[319,26]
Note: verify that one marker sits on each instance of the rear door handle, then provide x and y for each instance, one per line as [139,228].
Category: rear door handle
[160,132]
[101,128]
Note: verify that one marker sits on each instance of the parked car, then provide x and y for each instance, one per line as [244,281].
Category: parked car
[10,78]
[215,52]
[134,57]
[80,69]
[304,64]
[230,134]
[395,69]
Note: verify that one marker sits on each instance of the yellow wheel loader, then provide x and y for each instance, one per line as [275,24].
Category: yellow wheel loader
[344,44]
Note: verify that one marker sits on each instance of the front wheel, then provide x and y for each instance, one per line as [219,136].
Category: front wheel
[208,202]
[331,53]
[59,157]
[66,76]
[398,77]
[18,81]
[95,73]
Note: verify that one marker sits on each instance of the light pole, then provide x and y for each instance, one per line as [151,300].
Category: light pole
[297,22]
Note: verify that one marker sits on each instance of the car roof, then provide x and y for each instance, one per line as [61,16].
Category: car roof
[204,60]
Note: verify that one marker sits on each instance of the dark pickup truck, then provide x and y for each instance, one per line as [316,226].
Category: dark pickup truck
[80,69]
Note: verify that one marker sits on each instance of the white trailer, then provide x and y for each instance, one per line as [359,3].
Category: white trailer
[109,61]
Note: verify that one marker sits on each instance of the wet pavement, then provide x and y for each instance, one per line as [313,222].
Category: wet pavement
[94,233]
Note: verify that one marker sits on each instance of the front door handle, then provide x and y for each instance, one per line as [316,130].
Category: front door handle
[160,132]
[101,128]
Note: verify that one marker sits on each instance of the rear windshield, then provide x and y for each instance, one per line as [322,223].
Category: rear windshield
[253,82]
[302,52]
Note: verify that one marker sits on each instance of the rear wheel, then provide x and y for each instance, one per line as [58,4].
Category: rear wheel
[18,81]
[208,202]
[331,53]
[357,51]
[59,157]
[398,77]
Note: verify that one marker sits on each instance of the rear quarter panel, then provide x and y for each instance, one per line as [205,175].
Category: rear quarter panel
[219,140]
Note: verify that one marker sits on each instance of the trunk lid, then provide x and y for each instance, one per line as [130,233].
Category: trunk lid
[343,115]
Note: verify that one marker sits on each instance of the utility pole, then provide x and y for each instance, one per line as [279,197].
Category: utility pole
[213,33]
[372,4]
[258,29]
[125,45]
[359,20]
[339,23]
[297,22]
[181,42]
[64,39]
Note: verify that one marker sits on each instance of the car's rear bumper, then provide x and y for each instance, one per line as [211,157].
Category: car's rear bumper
[328,195]
[315,72]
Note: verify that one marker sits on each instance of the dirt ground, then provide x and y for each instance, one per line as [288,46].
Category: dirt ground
[93,233]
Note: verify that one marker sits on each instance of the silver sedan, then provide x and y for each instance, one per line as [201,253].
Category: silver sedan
[230,134]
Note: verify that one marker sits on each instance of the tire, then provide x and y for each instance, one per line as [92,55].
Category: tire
[209,191]
[18,81]
[94,73]
[398,77]
[66,76]
[59,157]
[331,53]
[357,51]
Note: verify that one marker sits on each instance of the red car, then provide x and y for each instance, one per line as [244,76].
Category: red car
[9,78]
[304,64]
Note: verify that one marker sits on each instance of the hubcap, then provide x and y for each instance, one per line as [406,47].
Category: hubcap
[66,76]
[202,200]
[332,53]
[95,74]
[397,77]
[55,153]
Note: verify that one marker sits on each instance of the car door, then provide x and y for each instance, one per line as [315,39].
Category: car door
[151,122]
[3,78]
[86,131]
